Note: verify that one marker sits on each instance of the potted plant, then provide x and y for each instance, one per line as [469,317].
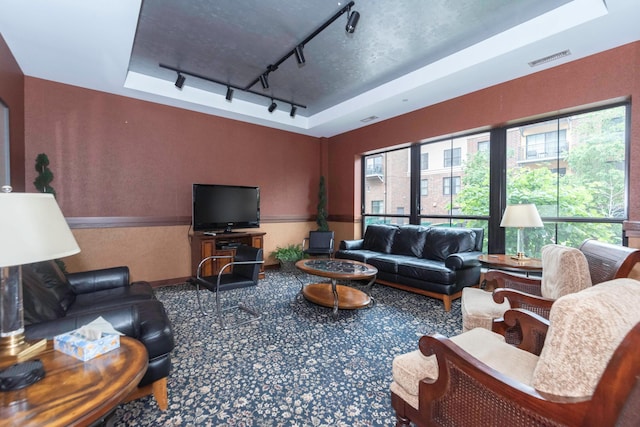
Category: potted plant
[288,256]
[321,218]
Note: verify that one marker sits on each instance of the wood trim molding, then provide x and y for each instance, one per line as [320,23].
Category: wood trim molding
[155,221]
[631,228]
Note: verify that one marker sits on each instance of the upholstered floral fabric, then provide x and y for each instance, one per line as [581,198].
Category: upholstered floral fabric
[479,309]
[486,346]
[564,270]
[586,327]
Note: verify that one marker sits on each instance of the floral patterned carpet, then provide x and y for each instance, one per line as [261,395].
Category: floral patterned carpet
[298,366]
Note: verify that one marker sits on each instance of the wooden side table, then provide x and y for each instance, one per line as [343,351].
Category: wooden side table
[507,263]
[74,392]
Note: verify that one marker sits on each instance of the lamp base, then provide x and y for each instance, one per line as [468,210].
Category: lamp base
[14,348]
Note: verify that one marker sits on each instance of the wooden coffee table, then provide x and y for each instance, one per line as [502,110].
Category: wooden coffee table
[74,392]
[508,263]
[331,294]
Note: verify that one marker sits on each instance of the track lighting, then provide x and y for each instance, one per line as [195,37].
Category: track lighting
[231,88]
[352,22]
[273,106]
[293,111]
[298,50]
[264,81]
[180,81]
[299,54]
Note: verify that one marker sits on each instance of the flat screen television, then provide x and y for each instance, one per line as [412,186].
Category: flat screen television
[225,207]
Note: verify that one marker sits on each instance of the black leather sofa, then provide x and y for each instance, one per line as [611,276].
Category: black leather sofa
[54,303]
[433,261]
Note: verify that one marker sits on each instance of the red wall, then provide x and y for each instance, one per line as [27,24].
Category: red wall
[610,75]
[115,156]
[11,92]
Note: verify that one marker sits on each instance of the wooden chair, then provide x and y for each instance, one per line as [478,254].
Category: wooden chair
[605,262]
[586,374]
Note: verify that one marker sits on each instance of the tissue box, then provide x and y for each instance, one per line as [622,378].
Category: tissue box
[82,348]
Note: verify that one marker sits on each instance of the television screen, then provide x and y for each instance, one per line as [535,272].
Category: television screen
[225,207]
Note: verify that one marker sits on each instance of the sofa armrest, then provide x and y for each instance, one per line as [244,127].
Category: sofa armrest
[98,280]
[351,244]
[124,319]
[462,260]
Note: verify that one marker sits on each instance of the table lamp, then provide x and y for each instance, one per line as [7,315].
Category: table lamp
[32,229]
[521,216]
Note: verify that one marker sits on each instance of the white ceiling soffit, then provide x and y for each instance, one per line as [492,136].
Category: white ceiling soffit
[88,44]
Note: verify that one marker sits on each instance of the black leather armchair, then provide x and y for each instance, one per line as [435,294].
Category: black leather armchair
[55,303]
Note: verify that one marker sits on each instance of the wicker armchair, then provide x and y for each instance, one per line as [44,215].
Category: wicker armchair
[587,373]
[604,261]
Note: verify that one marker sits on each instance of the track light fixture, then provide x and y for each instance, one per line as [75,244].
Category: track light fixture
[293,111]
[352,21]
[264,81]
[230,88]
[180,80]
[299,54]
[273,106]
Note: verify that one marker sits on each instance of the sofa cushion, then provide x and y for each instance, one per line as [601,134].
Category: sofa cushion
[585,329]
[356,255]
[426,270]
[387,263]
[444,241]
[53,280]
[39,304]
[409,240]
[98,300]
[379,237]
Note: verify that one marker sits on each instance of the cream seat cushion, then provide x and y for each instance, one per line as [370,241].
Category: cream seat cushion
[488,347]
[565,270]
[585,329]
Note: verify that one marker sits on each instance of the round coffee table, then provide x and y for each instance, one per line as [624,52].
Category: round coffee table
[331,294]
[74,392]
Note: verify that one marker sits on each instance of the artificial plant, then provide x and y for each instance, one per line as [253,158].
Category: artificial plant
[321,218]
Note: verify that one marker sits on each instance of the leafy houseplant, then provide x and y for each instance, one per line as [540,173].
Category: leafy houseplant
[321,218]
[288,255]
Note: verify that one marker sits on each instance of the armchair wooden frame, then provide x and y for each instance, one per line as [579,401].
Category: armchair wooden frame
[470,393]
[606,262]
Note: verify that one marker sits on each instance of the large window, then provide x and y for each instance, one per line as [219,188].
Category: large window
[387,195]
[573,167]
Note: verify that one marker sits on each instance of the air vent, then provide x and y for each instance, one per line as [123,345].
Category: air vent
[550,58]
[368,119]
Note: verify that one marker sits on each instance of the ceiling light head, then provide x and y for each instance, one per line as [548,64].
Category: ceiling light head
[273,106]
[293,111]
[264,81]
[229,95]
[299,54]
[352,22]
[180,80]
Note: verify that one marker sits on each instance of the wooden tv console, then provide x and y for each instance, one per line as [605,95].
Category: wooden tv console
[204,245]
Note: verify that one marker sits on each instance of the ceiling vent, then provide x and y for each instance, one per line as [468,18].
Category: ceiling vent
[368,119]
[550,58]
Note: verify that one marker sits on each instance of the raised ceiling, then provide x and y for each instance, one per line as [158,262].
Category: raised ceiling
[404,54]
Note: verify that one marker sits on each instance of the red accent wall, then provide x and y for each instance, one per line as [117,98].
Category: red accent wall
[613,74]
[117,156]
[11,92]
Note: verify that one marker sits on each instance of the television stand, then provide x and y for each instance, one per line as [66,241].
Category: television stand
[205,244]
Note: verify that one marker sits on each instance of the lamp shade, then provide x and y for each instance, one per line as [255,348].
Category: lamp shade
[33,229]
[521,216]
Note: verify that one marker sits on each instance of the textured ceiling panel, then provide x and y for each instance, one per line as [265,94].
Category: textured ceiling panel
[234,42]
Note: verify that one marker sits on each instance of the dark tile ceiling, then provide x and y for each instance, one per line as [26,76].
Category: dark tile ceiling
[235,41]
